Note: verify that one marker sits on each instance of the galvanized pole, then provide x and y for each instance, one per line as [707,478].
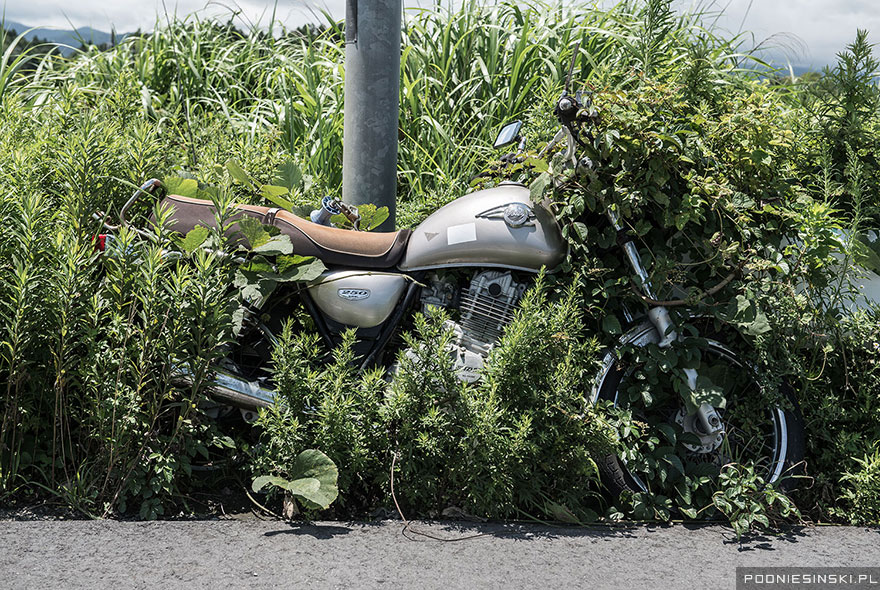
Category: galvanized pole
[372,91]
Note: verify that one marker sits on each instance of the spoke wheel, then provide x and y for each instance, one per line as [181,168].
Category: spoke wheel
[757,428]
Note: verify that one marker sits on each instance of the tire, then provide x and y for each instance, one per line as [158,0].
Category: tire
[781,453]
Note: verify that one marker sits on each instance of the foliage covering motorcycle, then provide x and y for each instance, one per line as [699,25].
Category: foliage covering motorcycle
[694,405]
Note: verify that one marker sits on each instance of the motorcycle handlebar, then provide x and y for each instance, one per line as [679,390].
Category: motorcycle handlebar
[148,188]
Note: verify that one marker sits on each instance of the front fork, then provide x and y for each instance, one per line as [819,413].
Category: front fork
[708,421]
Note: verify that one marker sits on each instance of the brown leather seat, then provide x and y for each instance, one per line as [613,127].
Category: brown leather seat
[334,246]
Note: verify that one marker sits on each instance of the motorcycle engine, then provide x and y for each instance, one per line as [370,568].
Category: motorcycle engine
[486,305]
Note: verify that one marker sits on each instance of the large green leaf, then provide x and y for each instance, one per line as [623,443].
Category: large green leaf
[289,175]
[309,269]
[371,217]
[314,479]
[867,254]
[305,487]
[538,186]
[254,232]
[759,325]
[275,245]
[185,187]
[254,287]
[748,316]
[312,463]
[275,195]
[238,173]
[264,480]
[258,264]
[195,238]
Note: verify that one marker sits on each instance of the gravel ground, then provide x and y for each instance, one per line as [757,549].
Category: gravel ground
[252,553]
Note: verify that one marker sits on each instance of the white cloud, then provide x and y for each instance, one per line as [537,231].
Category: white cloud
[807,32]
[129,15]
[823,27]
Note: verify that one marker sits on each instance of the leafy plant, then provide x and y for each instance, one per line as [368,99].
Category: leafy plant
[312,479]
[748,502]
[861,492]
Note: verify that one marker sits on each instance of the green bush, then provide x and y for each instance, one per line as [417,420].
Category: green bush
[522,442]
[861,490]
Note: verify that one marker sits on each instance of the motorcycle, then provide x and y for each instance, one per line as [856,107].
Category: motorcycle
[475,257]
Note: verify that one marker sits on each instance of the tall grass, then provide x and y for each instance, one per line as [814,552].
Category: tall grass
[463,73]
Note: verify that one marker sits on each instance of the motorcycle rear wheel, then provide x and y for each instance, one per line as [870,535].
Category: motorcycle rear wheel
[772,440]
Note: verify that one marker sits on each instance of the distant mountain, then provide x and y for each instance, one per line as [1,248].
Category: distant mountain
[73,38]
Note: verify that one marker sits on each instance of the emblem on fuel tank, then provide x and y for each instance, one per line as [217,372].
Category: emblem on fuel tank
[353,294]
[514,214]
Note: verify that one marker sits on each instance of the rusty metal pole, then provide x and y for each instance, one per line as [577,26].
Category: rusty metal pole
[372,91]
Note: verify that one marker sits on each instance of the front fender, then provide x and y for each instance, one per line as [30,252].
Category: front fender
[639,335]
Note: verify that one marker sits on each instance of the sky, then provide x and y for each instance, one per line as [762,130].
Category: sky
[806,32]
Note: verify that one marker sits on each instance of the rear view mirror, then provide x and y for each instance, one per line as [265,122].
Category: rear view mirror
[508,134]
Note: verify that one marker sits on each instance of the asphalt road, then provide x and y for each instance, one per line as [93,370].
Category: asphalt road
[251,553]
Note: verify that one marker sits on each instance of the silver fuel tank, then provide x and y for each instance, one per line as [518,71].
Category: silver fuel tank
[496,227]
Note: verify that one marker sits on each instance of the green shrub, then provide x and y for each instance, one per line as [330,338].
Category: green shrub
[328,406]
[861,490]
[520,442]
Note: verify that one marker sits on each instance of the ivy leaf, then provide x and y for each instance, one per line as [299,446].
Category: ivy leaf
[743,305]
[668,432]
[760,325]
[185,187]
[611,325]
[195,238]
[275,245]
[689,512]
[581,230]
[684,492]
[308,268]
[706,392]
[675,462]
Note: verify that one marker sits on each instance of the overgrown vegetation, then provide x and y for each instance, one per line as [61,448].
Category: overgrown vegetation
[739,190]
[517,443]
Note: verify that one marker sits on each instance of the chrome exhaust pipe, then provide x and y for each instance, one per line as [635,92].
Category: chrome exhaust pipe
[228,388]
[240,393]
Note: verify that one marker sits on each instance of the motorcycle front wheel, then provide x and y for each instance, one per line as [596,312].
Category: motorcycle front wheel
[764,431]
